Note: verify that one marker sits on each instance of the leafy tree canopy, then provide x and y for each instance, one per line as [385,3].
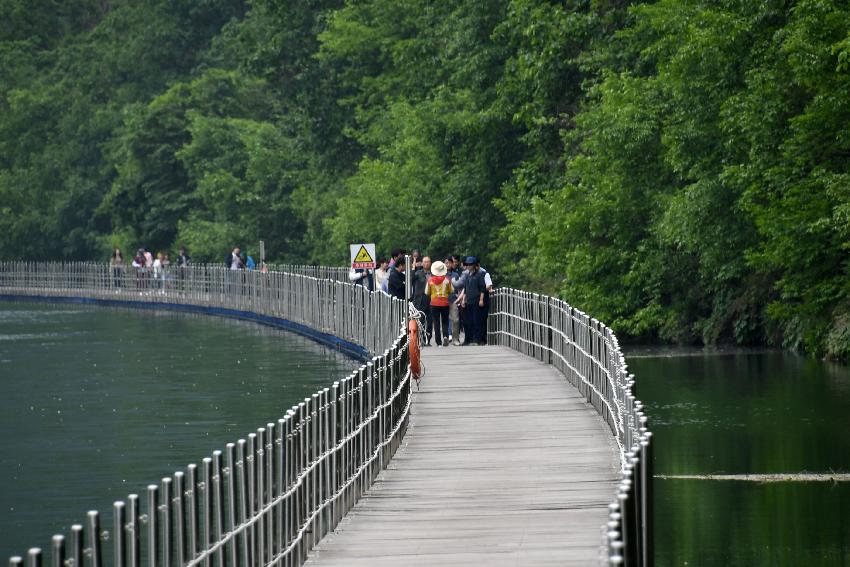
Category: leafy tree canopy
[678,168]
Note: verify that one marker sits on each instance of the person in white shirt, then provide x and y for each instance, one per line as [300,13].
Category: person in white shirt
[382,273]
[158,271]
[362,277]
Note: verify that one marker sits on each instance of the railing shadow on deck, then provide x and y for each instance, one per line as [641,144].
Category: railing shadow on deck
[269,497]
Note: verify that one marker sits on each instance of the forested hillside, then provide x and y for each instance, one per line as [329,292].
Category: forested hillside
[680,169]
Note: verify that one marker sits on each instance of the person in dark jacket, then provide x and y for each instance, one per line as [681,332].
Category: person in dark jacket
[475,289]
[183,261]
[396,281]
[421,300]
[233,261]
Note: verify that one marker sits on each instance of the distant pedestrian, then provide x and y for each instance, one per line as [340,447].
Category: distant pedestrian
[475,290]
[361,276]
[396,256]
[488,286]
[183,261]
[233,261]
[148,268]
[452,273]
[166,269]
[139,265]
[421,301]
[472,301]
[158,272]
[396,282]
[183,258]
[459,283]
[438,289]
[381,273]
[117,263]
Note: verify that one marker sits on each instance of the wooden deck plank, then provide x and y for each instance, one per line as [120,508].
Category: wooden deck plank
[503,464]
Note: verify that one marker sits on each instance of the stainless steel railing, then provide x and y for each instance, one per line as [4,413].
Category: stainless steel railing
[335,273]
[269,497]
[334,307]
[277,492]
[588,354]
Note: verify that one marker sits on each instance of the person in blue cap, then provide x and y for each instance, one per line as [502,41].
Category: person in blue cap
[474,290]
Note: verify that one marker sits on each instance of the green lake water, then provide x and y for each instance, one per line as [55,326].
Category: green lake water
[759,412]
[97,403]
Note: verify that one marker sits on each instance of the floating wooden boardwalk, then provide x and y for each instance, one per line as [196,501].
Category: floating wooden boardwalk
[504,464]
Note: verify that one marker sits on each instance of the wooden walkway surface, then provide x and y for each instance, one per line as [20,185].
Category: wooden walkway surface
[503,464]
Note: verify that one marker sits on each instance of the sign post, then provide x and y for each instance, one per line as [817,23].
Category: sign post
[363,256]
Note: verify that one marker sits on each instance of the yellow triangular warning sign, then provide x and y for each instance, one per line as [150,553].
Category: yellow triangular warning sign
[363,256]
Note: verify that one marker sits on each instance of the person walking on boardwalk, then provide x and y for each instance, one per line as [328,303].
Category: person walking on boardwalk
[381,274]
[464,312]
[453,273]
[117,263]
[396,256]
[182,266]
[438,290]
[233,261]
[488,285]
[139,264]
[421,301]
[166,269]
[148,268]
[475,289]
[248,261]
[183,258]
[363,277]
[158,272]
[396,281]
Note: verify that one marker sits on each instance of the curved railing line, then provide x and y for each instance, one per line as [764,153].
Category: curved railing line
[581,347]
[604,400]
[617,440]
[276,494]
[299,482]
[588,353]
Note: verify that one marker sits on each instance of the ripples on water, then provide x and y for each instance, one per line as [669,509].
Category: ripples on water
[97,402]
[743,411]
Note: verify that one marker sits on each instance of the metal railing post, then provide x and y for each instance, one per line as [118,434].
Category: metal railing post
[275,496]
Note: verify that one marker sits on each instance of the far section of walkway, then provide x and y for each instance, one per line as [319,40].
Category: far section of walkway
[504,464]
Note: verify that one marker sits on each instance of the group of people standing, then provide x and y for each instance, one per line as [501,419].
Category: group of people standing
[453,294]
[150,271]
[238,260]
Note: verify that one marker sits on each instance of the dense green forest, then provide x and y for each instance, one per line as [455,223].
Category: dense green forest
[680,169]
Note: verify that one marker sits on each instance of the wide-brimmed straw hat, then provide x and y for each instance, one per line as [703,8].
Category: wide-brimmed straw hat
[438,268]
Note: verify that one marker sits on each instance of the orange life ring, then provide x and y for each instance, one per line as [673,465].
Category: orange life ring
[413,347]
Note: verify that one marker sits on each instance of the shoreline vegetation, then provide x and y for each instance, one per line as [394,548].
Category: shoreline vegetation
[677,168]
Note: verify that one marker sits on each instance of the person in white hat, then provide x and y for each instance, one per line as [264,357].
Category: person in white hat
[438,288]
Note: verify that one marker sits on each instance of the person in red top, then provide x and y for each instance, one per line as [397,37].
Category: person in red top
[438,289]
